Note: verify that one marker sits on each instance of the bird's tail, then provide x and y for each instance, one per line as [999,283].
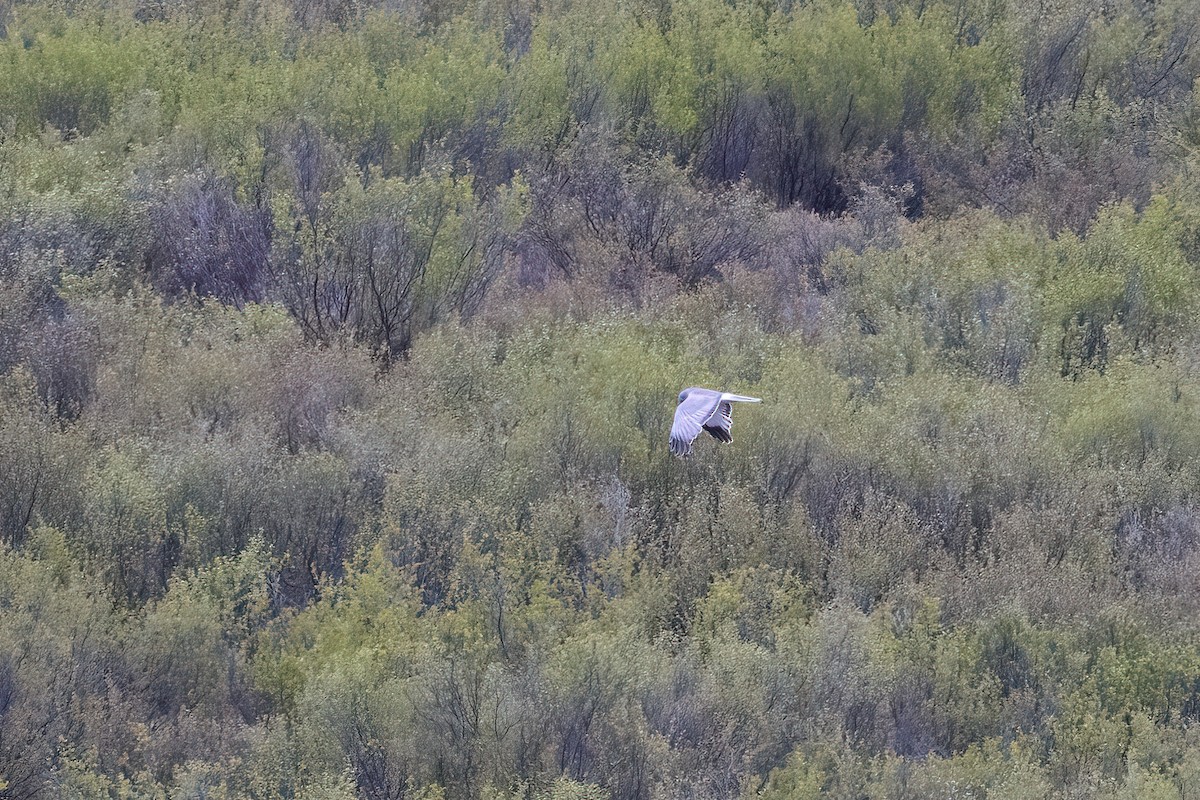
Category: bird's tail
[740,398]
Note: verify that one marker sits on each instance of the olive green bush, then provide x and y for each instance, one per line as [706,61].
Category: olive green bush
[339,344]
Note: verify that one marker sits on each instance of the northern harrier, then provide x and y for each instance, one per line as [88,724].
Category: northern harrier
[703,410]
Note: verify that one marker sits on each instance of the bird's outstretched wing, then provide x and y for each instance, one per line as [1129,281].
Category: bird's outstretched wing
[720,424]
[690,418]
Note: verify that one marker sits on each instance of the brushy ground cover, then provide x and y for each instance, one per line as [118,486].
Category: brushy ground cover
[339,343]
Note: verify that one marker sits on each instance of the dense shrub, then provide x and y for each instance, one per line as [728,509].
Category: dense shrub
[339,342]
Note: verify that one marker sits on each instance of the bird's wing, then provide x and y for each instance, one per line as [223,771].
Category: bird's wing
[690,418]
[720,424]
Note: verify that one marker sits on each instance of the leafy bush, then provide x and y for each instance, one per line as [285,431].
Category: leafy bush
[339,342]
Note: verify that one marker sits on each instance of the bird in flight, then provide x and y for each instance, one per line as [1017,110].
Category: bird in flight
[703,410]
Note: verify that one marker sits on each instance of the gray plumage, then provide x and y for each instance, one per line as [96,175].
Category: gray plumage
[704,410]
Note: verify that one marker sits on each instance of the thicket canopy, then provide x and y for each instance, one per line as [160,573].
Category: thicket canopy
[340,341]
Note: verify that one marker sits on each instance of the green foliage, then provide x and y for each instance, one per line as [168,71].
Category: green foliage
[70,74]
[339,343]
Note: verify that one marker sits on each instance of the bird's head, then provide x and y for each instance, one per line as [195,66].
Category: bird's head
[683,395]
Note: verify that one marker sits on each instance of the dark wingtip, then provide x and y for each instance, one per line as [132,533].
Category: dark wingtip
[720,434]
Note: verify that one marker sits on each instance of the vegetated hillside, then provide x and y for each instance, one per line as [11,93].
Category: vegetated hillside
[339,343]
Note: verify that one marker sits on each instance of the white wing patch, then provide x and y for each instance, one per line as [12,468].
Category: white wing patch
[690,418]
